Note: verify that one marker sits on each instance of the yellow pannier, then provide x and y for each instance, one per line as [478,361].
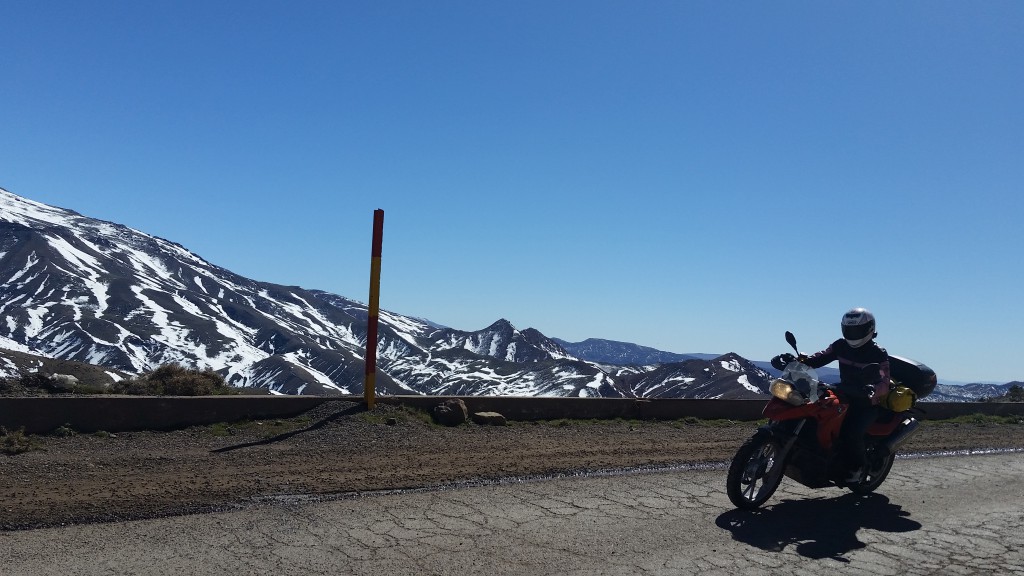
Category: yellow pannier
[899,399]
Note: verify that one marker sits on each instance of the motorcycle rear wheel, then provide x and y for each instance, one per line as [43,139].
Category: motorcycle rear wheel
[878,470]
[755,473]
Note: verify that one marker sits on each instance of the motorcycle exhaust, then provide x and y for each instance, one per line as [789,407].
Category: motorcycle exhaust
[907,427]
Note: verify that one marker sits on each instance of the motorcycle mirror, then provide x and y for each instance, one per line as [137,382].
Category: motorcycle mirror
[792,341]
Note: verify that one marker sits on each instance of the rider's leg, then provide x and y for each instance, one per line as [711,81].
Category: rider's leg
[855,428]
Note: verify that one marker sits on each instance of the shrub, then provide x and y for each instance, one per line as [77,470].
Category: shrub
[15,442]
[63,431]
[1015,394]
[983,419]
[7,385]
[399,415]
[175,380]
[89,389]
[132,387]
[37,380]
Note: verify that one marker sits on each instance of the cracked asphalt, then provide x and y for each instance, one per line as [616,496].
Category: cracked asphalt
[936,515]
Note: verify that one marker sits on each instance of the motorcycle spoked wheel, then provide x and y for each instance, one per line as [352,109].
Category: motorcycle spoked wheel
[878,470]
[755,473]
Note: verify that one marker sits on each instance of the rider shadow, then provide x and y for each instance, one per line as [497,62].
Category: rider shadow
[820,528]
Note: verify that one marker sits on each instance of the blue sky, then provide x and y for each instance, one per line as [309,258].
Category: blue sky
[692,176]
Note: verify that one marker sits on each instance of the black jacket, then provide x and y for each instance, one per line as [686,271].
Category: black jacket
[851,362]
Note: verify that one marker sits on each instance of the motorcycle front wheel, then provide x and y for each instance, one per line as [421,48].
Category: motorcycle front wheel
[755,472]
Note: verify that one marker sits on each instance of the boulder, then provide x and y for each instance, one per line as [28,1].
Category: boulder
[452,412]
[489,418]
[63,382]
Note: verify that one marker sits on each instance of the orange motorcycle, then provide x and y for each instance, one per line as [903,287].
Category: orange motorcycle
[804,419]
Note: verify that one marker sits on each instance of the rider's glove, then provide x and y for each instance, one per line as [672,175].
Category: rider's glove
[858,391]
[779,362]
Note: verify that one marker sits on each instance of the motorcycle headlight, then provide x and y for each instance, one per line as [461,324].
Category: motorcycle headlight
[785,391]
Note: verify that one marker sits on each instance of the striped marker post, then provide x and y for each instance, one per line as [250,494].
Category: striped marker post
[369,383]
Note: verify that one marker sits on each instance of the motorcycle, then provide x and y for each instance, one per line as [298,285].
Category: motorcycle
[800,439]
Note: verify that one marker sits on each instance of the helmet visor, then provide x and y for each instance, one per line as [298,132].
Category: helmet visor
[857,332]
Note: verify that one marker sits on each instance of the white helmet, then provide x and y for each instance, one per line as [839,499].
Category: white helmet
[858,327]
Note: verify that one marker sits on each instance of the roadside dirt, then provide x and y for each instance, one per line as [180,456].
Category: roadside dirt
[341,449]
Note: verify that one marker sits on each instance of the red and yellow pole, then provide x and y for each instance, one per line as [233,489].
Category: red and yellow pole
[369,383]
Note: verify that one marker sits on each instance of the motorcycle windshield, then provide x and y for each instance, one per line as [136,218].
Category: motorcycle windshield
[803,378]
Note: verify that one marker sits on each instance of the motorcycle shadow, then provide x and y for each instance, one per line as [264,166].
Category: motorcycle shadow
[819,528]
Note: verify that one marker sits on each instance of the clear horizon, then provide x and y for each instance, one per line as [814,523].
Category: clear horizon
[691,177]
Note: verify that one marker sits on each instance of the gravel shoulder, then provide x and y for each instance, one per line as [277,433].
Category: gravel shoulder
[339,448]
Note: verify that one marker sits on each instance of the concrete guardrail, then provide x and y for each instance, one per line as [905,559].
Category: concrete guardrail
[127,413]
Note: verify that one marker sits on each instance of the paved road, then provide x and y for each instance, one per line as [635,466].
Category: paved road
[937,516]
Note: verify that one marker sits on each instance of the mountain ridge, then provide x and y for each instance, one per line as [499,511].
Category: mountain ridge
[87,290]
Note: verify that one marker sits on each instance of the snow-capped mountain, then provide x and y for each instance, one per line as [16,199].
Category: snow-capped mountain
[730,377]
[623,353]
[969,392]
[77,288]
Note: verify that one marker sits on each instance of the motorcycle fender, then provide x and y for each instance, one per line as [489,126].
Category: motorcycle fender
[783,439]
[765,432]
[768,433]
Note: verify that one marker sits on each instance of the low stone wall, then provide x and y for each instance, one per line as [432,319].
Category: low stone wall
[544,408]
[125,413]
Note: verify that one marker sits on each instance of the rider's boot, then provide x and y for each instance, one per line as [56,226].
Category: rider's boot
[856,476]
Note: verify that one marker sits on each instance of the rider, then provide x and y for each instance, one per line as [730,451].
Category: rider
[854,351]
